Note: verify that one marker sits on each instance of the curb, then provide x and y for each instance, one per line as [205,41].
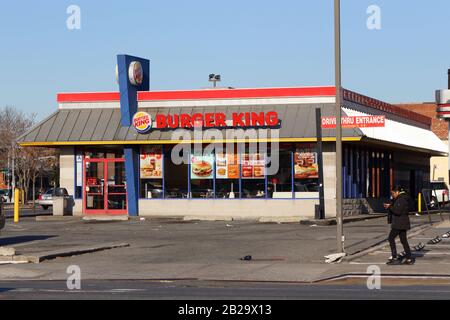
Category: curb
[49,255]
[57,218]
[381,244]
[29,215]
[208,218]
[352,275]
[332,221]
[103,218]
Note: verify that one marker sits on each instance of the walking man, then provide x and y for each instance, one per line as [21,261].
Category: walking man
[400,224]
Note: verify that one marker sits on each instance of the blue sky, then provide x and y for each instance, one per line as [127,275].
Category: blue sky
[253,43]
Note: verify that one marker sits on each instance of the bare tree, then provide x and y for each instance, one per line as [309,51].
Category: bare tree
[29,162]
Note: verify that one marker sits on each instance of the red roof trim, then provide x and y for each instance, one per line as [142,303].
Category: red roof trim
[201,94]
[245,94]
[88,97]
[386,107]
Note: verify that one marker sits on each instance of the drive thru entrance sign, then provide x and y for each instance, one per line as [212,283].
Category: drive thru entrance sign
[355,122]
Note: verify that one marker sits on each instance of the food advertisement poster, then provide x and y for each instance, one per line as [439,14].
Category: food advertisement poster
[253,166]
[305,164]
[151,163]
[227,166]
[202,167]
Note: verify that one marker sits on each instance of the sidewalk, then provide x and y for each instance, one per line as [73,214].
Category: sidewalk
[175,249]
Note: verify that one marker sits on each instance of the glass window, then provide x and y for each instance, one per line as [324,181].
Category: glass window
[175,177]
[227,189]
[95,185]
[202,176]
[102,154]
[306,170]
[116,186]
[227,176]
[306,185]
[253,172]
[151,173]
[280,184]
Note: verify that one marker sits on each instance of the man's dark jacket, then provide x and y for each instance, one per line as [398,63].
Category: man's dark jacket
[399,213]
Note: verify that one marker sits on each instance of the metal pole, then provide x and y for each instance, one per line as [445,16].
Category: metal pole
[337,39]
[16,205]
[8,178]
[320,163]
[13,178]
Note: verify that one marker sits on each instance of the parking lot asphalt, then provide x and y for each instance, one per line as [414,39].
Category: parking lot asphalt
[176,249]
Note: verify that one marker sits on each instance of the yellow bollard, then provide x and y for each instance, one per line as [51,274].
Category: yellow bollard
[22,193]
[420,203]
[16,205]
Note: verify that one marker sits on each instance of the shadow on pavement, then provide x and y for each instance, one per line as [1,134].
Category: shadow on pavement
[22,239]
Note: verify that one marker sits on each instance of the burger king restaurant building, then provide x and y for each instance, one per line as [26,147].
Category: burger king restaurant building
[156,153]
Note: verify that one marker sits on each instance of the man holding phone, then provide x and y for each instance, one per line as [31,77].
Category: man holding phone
[398,211]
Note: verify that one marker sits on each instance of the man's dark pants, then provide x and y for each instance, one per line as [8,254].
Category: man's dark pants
[403,239]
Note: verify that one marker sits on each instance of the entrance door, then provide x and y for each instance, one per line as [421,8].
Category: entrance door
[105,187]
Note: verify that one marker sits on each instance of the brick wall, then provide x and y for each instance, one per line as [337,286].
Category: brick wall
[439,127]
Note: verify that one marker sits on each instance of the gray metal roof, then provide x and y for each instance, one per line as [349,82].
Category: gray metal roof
[87,125]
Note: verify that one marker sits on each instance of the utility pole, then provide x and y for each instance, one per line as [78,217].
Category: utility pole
[321,212]
[8,179]
[13,171]
[337,56]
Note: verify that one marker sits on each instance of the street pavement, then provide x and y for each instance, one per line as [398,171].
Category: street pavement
[168,249]
[233,291]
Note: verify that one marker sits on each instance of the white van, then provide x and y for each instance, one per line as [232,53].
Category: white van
[439,193]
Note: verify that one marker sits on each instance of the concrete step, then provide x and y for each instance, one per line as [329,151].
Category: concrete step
[89,218]
[351,213]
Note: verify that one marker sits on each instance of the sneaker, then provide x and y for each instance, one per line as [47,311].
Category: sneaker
[409,261]
[394,262]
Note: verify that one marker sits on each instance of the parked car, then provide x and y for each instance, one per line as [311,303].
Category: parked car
[437,193]
[4,195]
[46,200]
[440,190]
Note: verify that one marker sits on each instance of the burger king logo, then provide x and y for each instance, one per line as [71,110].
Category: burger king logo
[142,122]
[136,73]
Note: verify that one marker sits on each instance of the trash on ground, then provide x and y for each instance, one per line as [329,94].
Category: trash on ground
[334,258]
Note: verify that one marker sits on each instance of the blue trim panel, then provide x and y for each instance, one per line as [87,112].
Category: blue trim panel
[132,174]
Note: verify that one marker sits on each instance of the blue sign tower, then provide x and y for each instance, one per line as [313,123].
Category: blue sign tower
[133,76]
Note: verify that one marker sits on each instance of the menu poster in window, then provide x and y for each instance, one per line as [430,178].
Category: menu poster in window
[202,167]
[227,166]
[151,163]
[253,166]
[305,164]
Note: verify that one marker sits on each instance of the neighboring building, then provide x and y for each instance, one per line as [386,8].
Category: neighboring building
[439,170]
[3,180]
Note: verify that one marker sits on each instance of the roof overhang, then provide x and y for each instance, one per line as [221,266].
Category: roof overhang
[402,135]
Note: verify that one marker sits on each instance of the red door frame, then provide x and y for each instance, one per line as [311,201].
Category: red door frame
[106,210]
